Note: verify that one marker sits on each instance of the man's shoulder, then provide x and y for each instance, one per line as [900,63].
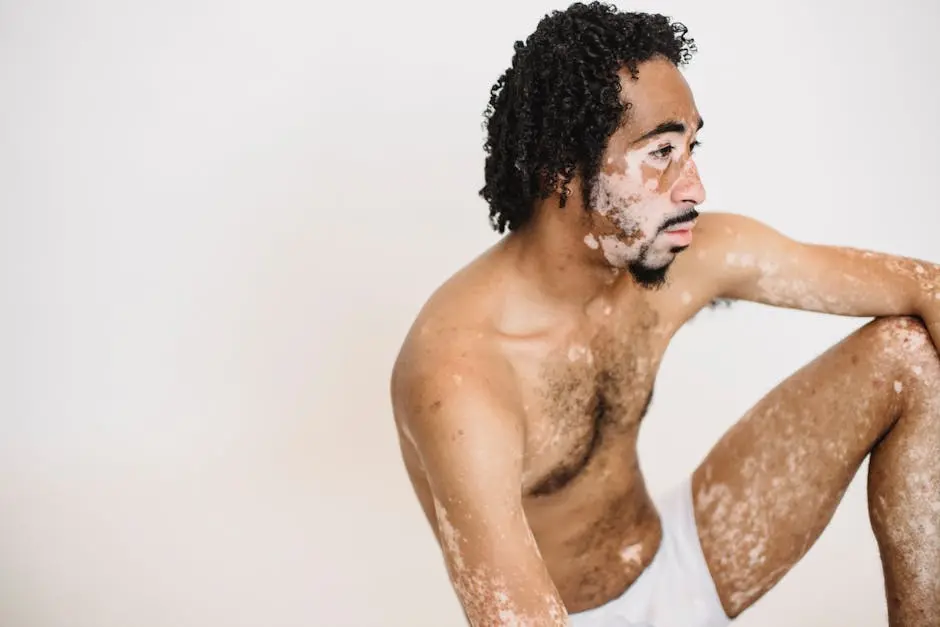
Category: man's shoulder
[720,238]
[446,356]
[453,330]
[722,228]
[451,353]
[449,381]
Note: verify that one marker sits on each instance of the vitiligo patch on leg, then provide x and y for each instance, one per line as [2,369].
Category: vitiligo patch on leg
[777,476]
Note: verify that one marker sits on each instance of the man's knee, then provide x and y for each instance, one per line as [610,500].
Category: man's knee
[901,341]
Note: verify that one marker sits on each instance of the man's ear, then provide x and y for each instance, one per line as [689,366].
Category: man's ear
[565,190]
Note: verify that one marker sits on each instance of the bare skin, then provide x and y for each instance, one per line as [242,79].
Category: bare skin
[519,392]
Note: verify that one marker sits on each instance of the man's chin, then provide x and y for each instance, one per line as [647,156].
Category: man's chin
[651,270]
[649,277]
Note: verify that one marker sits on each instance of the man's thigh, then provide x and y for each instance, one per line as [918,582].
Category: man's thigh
[768,488]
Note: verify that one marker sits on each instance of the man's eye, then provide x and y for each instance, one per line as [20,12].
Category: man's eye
[663,153]
[666,152]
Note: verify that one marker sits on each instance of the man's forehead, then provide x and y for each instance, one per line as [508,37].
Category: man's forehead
[659,95]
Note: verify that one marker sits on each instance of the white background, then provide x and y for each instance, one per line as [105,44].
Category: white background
[219,219]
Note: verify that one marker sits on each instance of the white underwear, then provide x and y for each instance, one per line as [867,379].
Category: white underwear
[676,589]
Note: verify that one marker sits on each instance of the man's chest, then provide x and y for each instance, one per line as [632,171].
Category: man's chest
[582,399]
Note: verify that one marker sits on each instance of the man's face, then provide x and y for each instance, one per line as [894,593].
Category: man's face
[644,198]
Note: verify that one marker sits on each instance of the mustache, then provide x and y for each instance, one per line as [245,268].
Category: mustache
[685,216]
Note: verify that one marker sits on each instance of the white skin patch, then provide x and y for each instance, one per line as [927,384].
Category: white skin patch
[450,537]
[406,430]
[775,288]
[576,352]
[686,298]
[476,587]
[591,241]
[632,555]
[764,505]
[616,252]
[637,207]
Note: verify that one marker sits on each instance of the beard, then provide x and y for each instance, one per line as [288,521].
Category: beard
[646,277]
[648,274]
[649,266]
[649,269]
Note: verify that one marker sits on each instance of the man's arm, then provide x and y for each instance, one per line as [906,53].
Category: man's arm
[754,262]
[471,448]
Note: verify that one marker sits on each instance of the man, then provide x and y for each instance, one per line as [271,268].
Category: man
[519,391]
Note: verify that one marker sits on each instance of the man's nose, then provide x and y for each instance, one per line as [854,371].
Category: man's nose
[689,188]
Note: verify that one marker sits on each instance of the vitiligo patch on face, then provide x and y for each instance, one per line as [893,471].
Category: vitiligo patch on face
[616,252]
[634,201]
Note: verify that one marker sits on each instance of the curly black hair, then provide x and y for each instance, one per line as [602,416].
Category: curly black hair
[553,111]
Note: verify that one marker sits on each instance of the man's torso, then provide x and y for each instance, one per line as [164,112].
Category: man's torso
[583,385]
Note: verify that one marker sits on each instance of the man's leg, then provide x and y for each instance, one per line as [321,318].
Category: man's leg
[765,492]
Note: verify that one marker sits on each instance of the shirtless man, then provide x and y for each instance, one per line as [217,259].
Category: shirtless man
[520,389]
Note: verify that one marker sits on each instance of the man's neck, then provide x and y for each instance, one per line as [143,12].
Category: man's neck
[552,253]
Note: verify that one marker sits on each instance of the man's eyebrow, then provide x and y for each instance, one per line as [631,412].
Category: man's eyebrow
[669,126]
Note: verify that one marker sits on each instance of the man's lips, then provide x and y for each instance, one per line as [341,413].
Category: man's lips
[682,227]
[681,234]
[682,222]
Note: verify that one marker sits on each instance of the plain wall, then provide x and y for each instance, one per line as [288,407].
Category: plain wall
[220,218]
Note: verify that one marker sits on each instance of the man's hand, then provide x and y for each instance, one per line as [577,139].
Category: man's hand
[751,261]
[470,442]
